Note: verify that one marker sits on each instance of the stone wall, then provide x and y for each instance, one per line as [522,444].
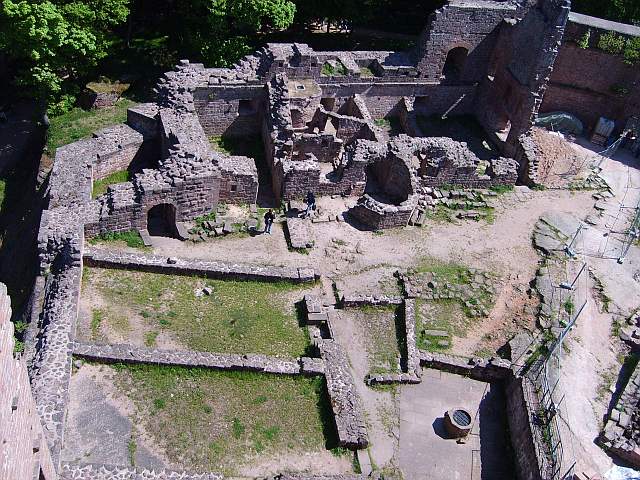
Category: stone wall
[620,434]
[91,471]
[24,452]
[117,148]
[519,416]
[187,358]
[345,401]
[590,83]
[470,26]
[189,267]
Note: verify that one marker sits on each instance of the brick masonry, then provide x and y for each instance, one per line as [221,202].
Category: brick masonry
[24,454]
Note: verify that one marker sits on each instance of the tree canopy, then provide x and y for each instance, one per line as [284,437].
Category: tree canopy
[53,46]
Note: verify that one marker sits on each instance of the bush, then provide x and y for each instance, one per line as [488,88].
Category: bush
[584,41]
[611,43]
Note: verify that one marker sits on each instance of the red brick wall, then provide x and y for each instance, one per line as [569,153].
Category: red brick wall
[24,454]
[582,83]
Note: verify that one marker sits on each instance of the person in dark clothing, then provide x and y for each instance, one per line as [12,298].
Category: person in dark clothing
[311,204]
[269,217]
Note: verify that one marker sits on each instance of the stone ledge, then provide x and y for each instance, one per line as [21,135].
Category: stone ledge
[94,471]
[185,358]
[361,300]
[210,269]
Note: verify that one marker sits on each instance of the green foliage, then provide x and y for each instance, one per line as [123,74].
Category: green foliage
[611,43]
[339,70]
[55,41]
[632,51]
[132,238]
[100,186]
[132,446]
[584,41]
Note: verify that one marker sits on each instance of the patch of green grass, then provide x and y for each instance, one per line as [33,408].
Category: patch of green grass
[150,338]
[451,272]
[568,306]
[18,346]
[77,123]
[366,72]
[239,317]
[100,186]
[383,341]
[339,70]
[96,320]
[132,238]
[501,189]
[132,446]
[234,428]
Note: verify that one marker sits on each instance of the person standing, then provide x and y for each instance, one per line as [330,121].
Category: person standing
[311,204]
[269,217]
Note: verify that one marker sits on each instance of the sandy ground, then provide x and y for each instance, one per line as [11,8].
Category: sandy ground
[344,254]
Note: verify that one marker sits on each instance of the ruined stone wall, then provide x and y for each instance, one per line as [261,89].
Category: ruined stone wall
[24,454]
[324,146]
[117,147]
[522,62]
[471,26]
[383,99]
[233,111]
[590,83]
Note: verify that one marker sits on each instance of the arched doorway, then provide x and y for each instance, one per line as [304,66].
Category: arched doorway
[454,64]
[161,220]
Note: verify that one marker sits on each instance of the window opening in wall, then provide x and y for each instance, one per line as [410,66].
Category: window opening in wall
[454,64]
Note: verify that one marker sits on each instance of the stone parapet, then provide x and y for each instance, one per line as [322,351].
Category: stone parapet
[182,266]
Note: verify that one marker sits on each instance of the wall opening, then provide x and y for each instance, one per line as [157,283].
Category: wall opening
[161,221]
[454,64]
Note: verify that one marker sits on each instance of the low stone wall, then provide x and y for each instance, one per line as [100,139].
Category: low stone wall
[375,300]
[50,371]
[93,471]
[413,357]
[484,370]
[182,266]
[187,358]
[345,401]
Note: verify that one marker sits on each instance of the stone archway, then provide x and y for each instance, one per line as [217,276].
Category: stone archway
[161,220]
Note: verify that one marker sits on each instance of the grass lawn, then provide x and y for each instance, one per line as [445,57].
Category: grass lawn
[378,326]
[100,186]
[239,317]
[78,123]
[207,420]
[131,238]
